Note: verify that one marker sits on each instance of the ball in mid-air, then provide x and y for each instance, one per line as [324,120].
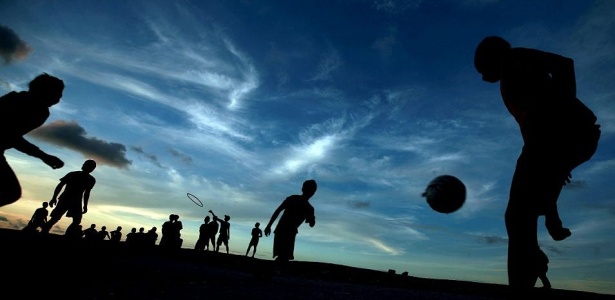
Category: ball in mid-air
[445,194]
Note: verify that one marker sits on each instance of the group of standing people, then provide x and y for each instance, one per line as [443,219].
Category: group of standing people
[208,231]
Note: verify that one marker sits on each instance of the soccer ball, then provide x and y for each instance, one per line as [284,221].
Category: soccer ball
[445,194]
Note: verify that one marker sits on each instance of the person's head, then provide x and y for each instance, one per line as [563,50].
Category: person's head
[133,230]
[309,187]
[103,228]
[142,229]
[45,204]
[206,219]
[489,57]
[88,166]
[119,228]
[93,226]
[175,217]
[46,89]
[226,218]
[257,224]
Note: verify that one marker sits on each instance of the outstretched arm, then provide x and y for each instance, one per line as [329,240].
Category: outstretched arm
[273,218]
[22,145]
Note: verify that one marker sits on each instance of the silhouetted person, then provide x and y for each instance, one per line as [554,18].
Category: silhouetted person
[39,218]
[297,210]
[116,235]
[224,235]
[171,236]
[91,233]
[151,237]
[257,233]
[130,237]
[20,113]
[77,186]
[559,133]
[103,234]
[212,231]
[202,241]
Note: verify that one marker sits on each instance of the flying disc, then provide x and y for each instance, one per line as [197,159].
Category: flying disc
[194,199]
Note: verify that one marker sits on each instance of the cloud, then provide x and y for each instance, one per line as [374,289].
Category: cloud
[152,158]
[358,204]
[72,136]
[331,62]
[183,157]
[12,48]
[491,239]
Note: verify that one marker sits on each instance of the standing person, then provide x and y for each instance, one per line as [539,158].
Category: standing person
[116,235]
[77,187]
[39,218]
[297,210]
[202,241]
[171,236]
[224,235]
[257,233]
[20,113]
[559,133]
[212,231]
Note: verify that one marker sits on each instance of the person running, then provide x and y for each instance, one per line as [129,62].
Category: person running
[73,201]
[20,113]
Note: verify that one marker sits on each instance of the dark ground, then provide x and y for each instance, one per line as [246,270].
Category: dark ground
[51,266]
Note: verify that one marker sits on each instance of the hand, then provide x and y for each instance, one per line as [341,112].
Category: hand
[267,230]
[53,162]
[52,202]
[85,209]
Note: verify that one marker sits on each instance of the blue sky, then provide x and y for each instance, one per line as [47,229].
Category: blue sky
[239,102]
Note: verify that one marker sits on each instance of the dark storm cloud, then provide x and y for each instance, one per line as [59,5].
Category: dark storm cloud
[12,48]
[185,158]
[71,135]
[150,157]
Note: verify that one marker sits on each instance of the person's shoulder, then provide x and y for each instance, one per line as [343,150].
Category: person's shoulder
[293,197]
[14,95]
